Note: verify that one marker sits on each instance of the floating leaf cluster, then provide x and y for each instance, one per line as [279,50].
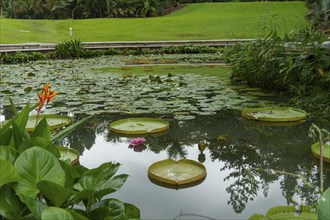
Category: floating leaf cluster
[84,89]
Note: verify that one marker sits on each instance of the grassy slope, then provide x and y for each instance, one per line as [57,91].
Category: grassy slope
[193,22]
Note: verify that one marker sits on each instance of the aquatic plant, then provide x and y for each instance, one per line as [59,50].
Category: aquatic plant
[296,65]
[323,136]
[137,141]
[35,183]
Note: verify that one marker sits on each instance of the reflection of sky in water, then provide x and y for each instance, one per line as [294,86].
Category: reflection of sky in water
[155,202]
[250,145]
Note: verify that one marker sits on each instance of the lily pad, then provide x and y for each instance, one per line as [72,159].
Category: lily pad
[139,126]
[69,154]
[275,114]
[177,174]
[54,121]
[326,151]
[287,213]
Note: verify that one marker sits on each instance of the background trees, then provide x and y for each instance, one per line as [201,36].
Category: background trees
[61,9]
[318,11]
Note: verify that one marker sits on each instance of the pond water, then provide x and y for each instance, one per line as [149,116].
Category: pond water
[244,160]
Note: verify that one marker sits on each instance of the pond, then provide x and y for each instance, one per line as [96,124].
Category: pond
[244,160]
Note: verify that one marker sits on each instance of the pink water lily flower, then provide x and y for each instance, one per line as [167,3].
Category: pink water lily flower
[137,141]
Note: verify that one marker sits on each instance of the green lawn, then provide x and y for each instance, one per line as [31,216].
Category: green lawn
[194,22]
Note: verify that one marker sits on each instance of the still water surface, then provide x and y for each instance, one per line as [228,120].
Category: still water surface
[241,178]
[240,170]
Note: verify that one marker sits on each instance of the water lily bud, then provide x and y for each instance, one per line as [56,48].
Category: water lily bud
[201,145]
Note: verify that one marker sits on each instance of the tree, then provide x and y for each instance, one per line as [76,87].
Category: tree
[319,14]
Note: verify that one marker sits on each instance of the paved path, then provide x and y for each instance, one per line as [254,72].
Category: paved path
[29,47]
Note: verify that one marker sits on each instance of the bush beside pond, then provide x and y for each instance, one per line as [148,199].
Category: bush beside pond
[296,65]
[74,49]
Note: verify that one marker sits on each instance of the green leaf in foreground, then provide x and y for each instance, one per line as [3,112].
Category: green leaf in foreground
[36,164]
[8,173]
[323,210]
[11,206]
[55,193]
[101,180]
[55,213]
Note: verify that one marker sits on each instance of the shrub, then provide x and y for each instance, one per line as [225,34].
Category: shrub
[36,184]
[296,65]
[69,49]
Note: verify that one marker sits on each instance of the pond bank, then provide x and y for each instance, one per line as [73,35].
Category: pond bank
[33,47]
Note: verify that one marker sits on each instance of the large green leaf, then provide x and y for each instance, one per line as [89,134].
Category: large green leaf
[19,124]
[316,150]
[6,134]
[55,193]
[107,208]
[69,155]
[17,135]
[55,213]
[78,214]
[275,114]
[13,107]
[35,206]
[71,174]
[36,164]
[8,173]
[289,212]
[114,209]
[101,180]
[8,153]
[323,209]
[131,211]
[40,142]
[139,126]
[55,122]
[22,117]
[181,173]
[42,130]
[11,206]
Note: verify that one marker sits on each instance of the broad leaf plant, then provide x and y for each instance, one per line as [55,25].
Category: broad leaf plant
[36,184]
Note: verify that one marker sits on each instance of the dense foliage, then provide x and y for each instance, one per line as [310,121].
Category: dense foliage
[78,9]
[61,9]
[36,184]
[297,65]
[198,1]
[318,12]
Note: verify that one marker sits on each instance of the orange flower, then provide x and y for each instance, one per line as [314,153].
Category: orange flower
[46,94]
[42,99]
[49,93]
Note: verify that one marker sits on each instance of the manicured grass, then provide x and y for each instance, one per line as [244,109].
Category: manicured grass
[193,22]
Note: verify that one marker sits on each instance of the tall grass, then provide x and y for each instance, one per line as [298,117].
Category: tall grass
[193,22]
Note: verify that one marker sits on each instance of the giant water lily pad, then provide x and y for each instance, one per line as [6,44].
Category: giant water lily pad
[287,213]
[54,121]
[69,155]
[139,126]
[326,151]
[275,114]
[177,174]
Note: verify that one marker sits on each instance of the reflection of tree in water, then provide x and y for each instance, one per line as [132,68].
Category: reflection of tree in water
[251,153]
[176,151]
[254,166]
[242,158]
[83,137]
[307,189]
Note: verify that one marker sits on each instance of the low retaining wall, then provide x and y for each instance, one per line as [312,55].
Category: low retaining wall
[29,47]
